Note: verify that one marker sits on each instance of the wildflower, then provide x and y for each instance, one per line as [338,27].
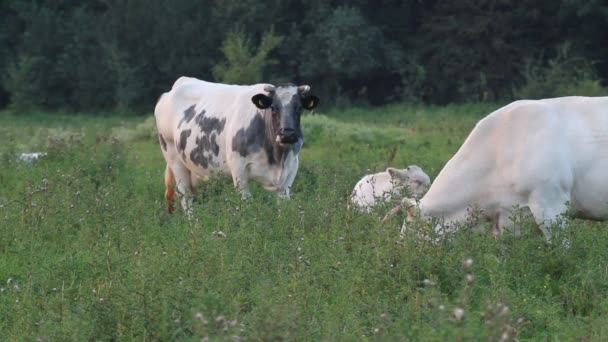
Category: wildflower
[467,264]
[219,233]
[428,282]
[502,309]
[470,279]
[458,313]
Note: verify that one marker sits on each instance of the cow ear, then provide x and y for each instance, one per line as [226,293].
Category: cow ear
[392,172]
[396,174]
[309,102]
[261,101]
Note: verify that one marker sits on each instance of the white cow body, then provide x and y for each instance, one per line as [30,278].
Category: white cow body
[532,154]
[207,128]
[380,187]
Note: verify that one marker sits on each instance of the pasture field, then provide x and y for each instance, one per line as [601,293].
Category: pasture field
[88,251]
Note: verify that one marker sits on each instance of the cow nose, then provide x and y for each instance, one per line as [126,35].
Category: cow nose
[287,135]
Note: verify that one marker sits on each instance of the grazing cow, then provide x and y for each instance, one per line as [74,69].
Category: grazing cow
[381,187]
[540,155]
[247,132]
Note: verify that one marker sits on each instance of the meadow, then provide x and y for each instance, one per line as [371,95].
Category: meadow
[88,251]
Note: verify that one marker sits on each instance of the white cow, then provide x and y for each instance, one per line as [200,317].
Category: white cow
[380,187]
[247,132]
[538,155]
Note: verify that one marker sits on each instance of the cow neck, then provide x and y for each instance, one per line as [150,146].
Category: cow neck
[276,153]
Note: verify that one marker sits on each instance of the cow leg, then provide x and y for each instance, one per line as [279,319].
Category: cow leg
[183,185]
[504,222]
[546,206]
[292,169]
[240,180]
[169,190]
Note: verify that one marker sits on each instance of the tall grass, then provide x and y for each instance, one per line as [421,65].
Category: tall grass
[88,252]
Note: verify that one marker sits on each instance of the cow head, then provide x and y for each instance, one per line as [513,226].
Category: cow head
[285,104]
[412,177]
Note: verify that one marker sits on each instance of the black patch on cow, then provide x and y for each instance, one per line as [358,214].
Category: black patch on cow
[251,139]
[260,134]
[163,143]
[208,125]
[206,144]
[188,115]
[183,140]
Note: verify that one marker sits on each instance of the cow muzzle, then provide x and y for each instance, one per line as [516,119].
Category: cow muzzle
[287,136]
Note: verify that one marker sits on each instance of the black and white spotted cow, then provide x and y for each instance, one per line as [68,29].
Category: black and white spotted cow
[247,132]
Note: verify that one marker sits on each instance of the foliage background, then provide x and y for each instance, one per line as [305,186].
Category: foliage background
[103,55]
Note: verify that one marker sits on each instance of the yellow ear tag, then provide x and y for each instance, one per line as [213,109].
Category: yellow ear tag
[312,104]
[261,103]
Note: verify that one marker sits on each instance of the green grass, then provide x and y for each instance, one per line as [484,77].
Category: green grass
[88,252]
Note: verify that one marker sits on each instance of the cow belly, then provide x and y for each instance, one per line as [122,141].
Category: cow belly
[590,194]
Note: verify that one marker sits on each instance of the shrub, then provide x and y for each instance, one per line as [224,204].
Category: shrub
[563,75]
[243,65]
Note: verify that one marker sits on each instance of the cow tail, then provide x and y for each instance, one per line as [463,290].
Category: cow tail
[169,189]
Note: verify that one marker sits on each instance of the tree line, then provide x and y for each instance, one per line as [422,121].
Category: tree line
[102,55]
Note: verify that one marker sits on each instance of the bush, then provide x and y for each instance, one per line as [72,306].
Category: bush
[563,75]
[243,65]
[351,58]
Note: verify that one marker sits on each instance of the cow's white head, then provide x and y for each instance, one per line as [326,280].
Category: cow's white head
[285,104]
[412,177]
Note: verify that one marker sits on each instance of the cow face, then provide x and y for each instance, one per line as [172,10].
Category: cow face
[285,104]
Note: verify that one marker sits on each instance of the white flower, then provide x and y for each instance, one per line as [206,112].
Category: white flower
[219,233]
[428,282]
[458,313]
